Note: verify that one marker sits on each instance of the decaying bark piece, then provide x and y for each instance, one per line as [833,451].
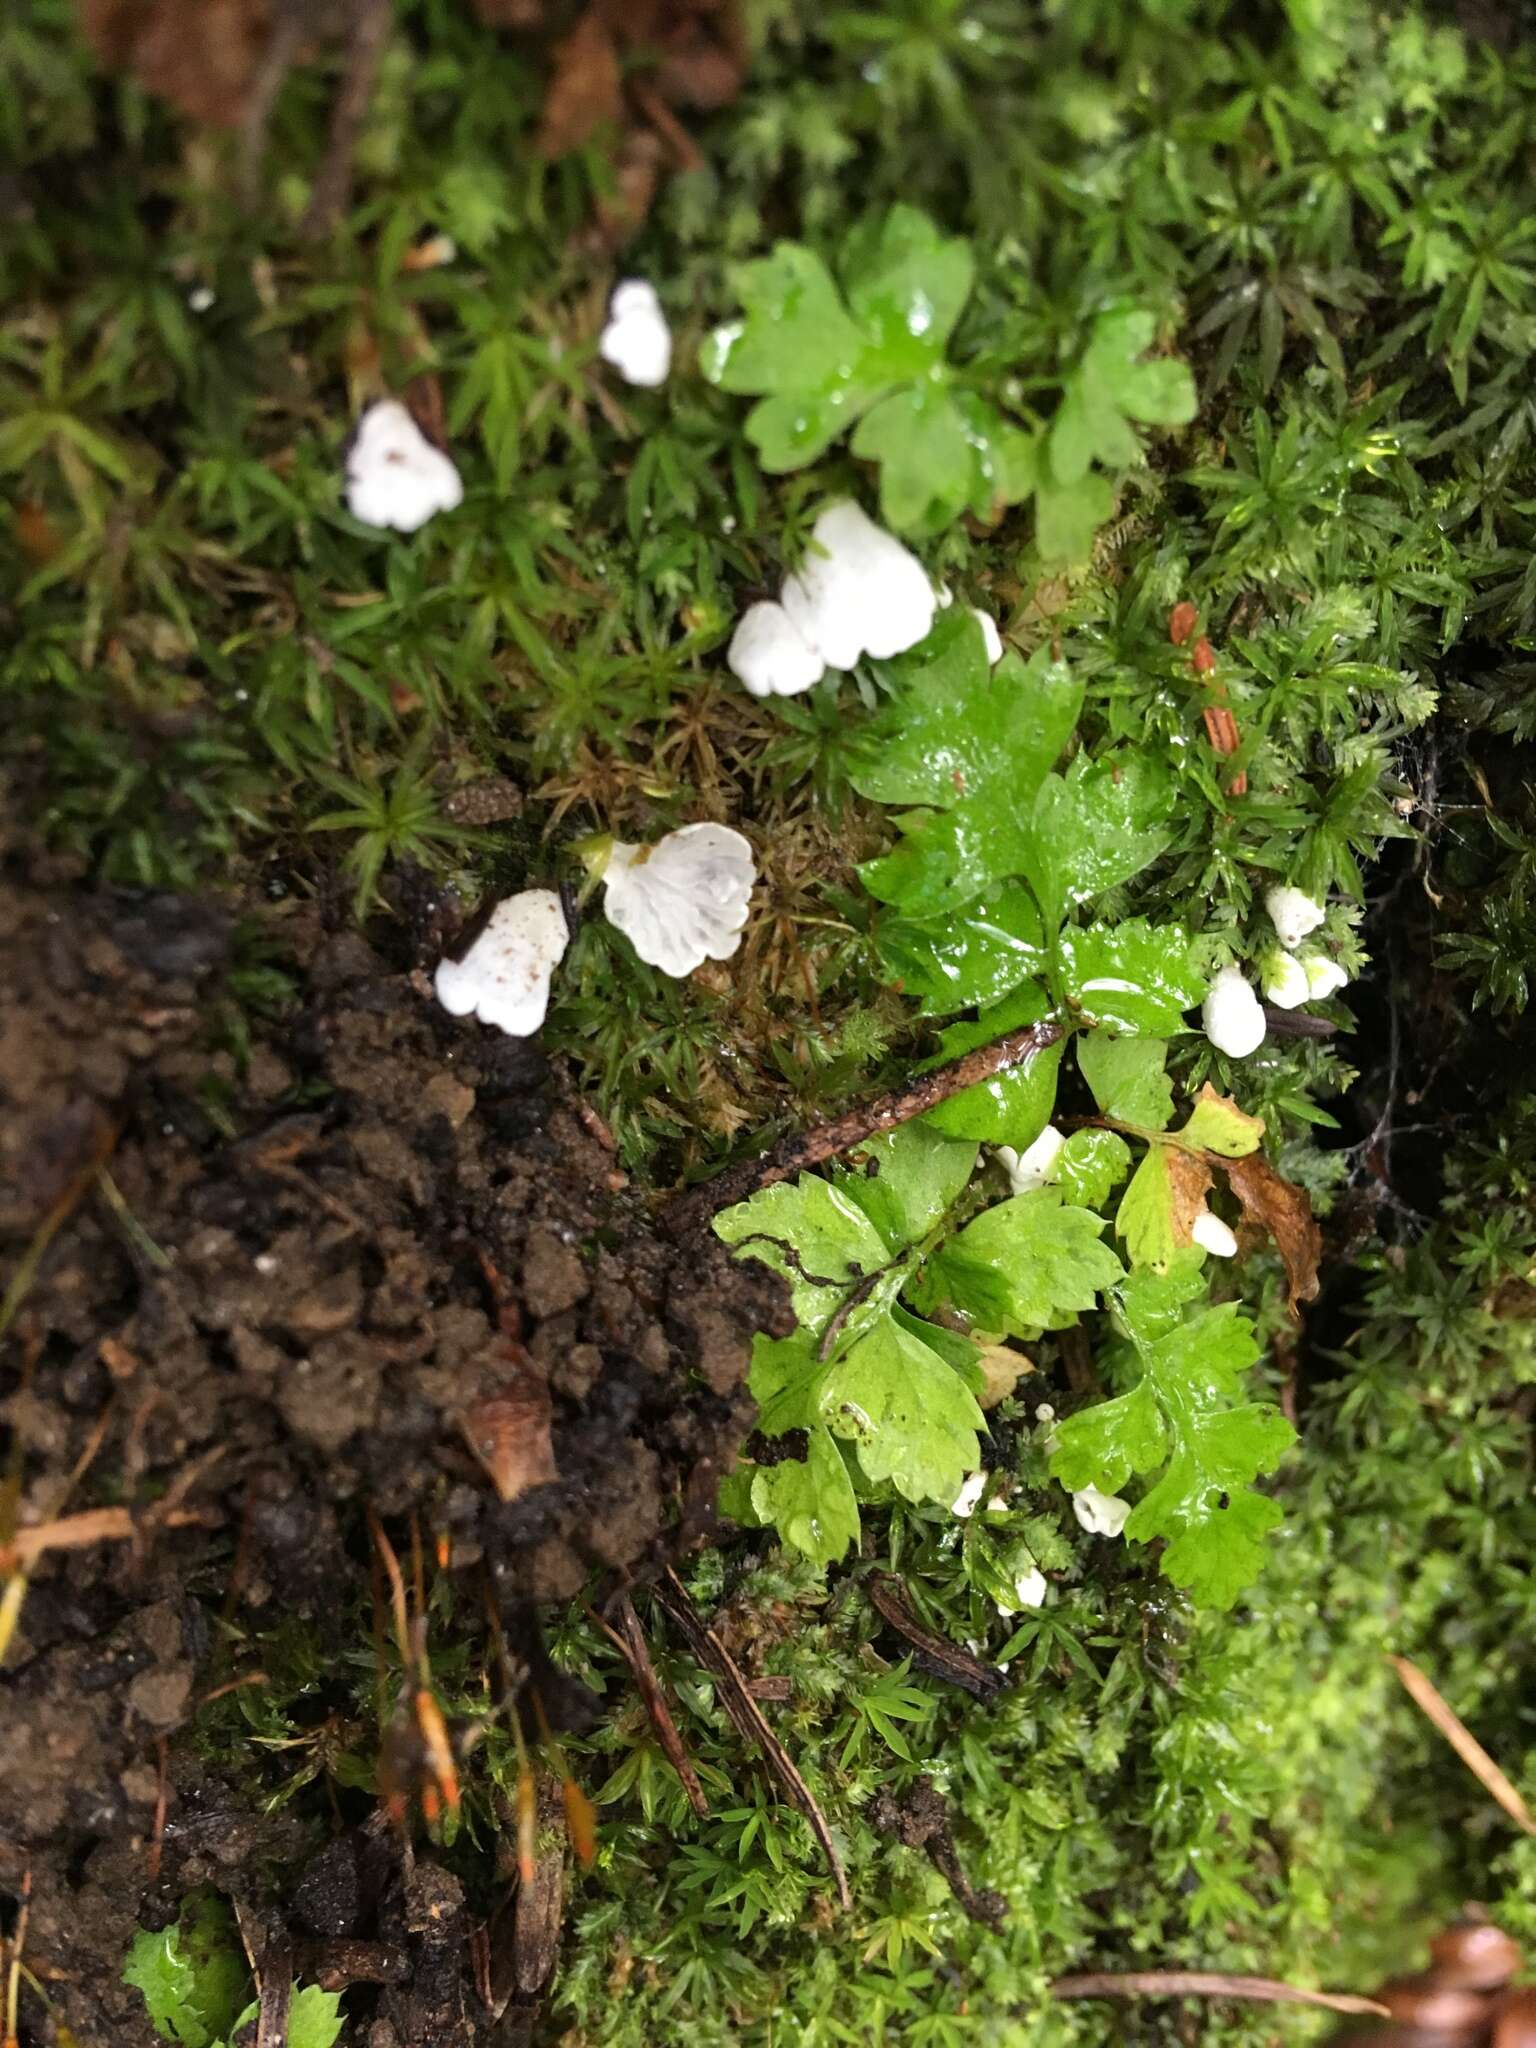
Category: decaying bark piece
[920,1819]
[629,1639]
[936,1655]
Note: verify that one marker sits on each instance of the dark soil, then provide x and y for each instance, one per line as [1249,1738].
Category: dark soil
[412,1271]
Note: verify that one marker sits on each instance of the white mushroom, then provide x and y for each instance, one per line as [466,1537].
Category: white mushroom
[1325,977]
[1232,1015]
[637,340]
[858,591]
[1031,1169]
[1101,1514]
[1293,913]
[992,640]
[1285,980]
[965,1501]
[504,977]
[395,477]
[684,900]
[1213,1236]
[1029,1590]
[770,654]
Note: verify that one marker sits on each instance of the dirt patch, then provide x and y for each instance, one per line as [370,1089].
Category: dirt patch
[385,1261]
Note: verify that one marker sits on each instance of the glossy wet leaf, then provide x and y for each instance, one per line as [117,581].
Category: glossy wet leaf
[1089,1165]
[1220,1126]
[1029,1263]
[913,1418]
[950,964]
[819,362]
[1068,516]
[811,1501]
[785,1381]
[810,1232]
[1126,1077]
[1132,977]
[1184,1408]
[905,1181]
[943,860]
[1012,1107]
[957,727]
[1096,826]
[1157,1211]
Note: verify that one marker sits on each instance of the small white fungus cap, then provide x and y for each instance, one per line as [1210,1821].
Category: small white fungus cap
[684,900]
[1101,1514]
[1031,1168]
[858,591]
[991,638]
[1285,981]
[965,1501]
[1325,977]
[637,340]
[1029,1590]
[504,977]
[395,477]
[1232,1015]
[770,654]
[1213,1236]
[1293,913]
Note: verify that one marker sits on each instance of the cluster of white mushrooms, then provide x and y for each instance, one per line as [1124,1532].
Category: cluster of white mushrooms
[858,593]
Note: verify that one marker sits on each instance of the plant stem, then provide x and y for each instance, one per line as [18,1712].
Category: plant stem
[826,1141]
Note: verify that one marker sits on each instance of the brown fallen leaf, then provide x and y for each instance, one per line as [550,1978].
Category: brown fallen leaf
[1189,1182]
[201,55]
[1284,1210]
[509,1432]
[586,91]
[1444,1717]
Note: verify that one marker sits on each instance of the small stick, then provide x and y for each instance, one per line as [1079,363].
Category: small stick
[1208,1984]
[747,1717]
[811,1148]
[162,1793]
[370,27]
[1466,1745]
[629,1639]
[945,1659]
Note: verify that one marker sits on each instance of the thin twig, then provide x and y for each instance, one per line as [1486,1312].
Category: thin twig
[811,1148]
[629,1639]
[747,1717]
[1209,1984]
[1464,1742]
[370,27]
[944,1659]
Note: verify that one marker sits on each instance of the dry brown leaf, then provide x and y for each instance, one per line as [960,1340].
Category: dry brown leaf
[1285,1211]
[201,55]
[1189,1182]
[1466,1745]
[586,92]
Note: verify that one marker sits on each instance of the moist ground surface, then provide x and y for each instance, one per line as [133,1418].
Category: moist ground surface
[383,1260]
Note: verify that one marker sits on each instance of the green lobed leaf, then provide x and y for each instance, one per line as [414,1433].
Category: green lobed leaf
[957,963]
[1132,977]
[907,1179]
[811,1502]
[1109,389]
[958,728]
[1029,1263]
[785,1380]
[1068,516]
[1095,826]
[912,1416]
[1088,1166]
[1145,1216]
[192,1975]
[1012,1107]
[946,859]
[1185,1406]
[814,1235]
[1127,1079]
[1218,1125]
